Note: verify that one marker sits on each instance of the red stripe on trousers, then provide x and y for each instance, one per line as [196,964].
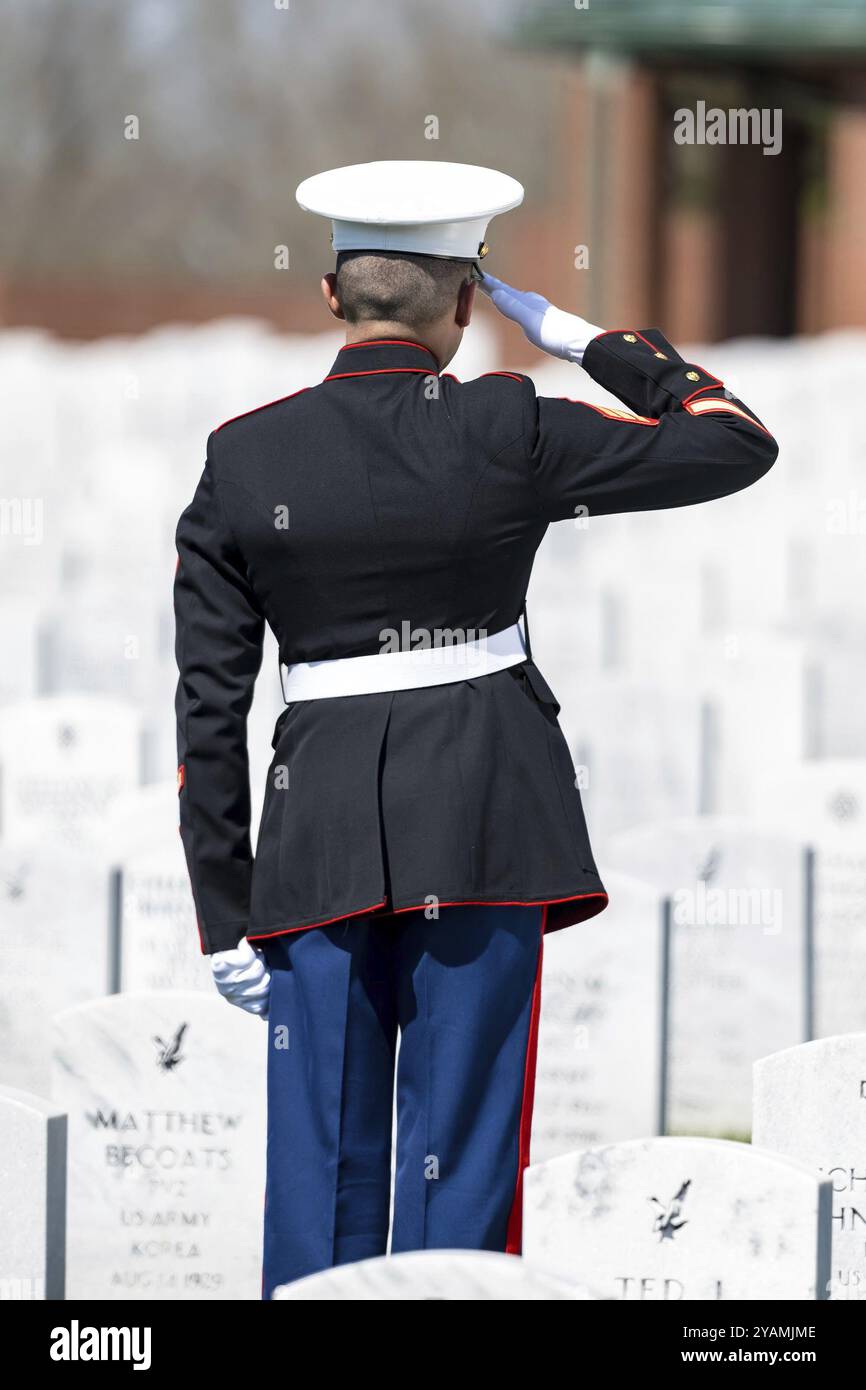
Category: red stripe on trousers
[514,1235]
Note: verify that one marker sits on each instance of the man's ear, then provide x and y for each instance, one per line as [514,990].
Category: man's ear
[329,294]
[465,301]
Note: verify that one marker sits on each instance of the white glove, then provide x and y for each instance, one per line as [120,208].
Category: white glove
[551,329]
[242,978]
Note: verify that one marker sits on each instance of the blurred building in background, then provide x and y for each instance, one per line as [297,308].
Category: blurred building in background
[150,152]
[715,243]
[179,219]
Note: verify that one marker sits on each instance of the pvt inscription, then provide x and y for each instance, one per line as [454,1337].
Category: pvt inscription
[167,1144]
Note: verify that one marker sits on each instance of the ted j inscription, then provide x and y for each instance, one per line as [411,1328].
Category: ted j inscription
[680,1218]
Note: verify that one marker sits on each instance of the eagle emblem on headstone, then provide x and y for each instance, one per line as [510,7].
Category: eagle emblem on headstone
[169,1054]
[843,805]
[668,1218]
[14,887]
[709,866]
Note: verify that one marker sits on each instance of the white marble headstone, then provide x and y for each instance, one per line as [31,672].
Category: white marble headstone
[92,641]
[825,801]
[821,800]
[680,1218]
[141,819]
[753,681]
[159,941]
[159,938]
[63,761]
[599,1047]
[32,1196]
[636,746]
[736,985]
[165,1096]
[839,935]
[469,1276]
[53,950]
[19,670]
[810,1104]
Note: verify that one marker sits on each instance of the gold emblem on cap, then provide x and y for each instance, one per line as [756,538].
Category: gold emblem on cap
[629,337]
[693,376]
[483,248]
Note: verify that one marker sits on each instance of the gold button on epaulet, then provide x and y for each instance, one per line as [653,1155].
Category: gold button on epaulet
[662,355]
[693,376]
[629,337]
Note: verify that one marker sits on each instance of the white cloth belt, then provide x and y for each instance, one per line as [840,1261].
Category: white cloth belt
[404,670]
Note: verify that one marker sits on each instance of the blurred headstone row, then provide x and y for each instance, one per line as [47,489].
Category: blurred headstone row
[708,662]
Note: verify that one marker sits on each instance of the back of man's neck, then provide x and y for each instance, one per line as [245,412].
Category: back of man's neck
[368,331]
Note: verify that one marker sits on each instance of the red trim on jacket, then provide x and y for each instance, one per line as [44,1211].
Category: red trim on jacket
[419,907]
[381,371]
[621,332]
[639,335]
[244,413]
[200,934]
[502,902]
[709,385]
[310,926]
[513,375]
[712,385]
[388,342]
[514,1233]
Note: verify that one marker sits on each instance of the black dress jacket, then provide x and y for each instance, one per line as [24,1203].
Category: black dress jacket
[391,499]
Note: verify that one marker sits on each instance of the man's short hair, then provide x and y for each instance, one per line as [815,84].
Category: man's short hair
[398,287]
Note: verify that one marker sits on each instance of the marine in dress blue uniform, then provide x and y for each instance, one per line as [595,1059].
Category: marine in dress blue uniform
[421,832]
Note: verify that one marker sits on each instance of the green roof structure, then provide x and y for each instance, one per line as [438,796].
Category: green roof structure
[773,32]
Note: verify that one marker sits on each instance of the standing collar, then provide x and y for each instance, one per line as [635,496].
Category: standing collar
[383,355]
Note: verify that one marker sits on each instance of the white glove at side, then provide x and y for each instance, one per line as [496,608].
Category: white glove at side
[242,977]
[551,329]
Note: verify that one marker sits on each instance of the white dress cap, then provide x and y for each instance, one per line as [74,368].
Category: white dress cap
[425,206]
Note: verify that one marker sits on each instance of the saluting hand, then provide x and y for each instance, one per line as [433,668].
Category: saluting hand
[242,978]
[551,329]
